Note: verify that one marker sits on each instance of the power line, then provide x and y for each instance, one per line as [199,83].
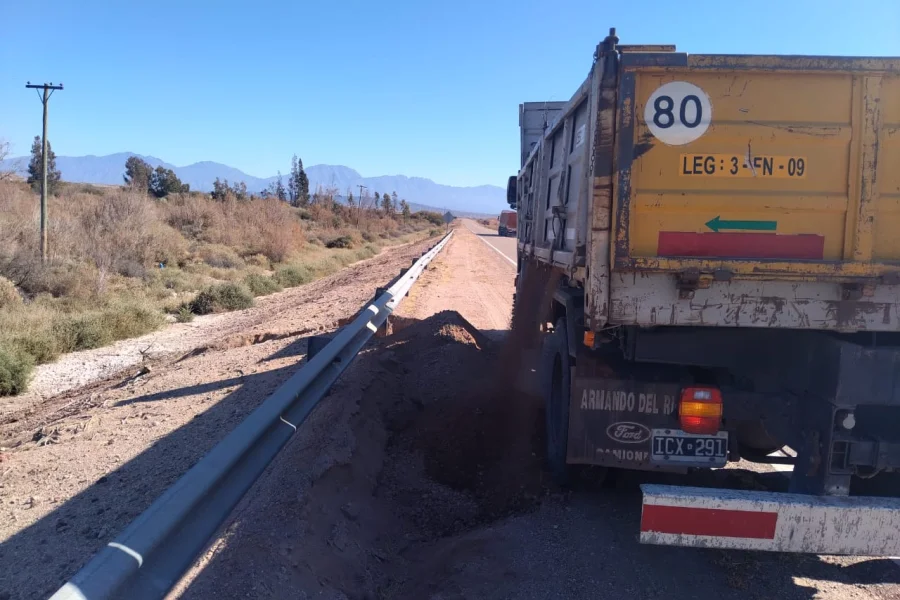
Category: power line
[48,88]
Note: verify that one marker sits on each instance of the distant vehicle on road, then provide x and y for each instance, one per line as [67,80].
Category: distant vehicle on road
[507,223]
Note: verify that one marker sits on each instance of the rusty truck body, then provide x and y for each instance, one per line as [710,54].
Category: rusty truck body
[507,223]
[725,234]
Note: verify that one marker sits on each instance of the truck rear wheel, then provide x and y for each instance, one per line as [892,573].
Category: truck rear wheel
[557,387]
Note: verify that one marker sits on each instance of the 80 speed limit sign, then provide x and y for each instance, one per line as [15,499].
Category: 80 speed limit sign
[678,113]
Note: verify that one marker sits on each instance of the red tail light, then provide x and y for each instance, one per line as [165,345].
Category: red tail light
[700,409]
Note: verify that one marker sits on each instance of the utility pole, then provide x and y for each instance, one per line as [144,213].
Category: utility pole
[48,88]
[359,203]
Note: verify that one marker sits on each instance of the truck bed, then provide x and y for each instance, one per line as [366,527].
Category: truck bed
[738,191]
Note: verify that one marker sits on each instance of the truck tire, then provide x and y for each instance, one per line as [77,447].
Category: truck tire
[557,389]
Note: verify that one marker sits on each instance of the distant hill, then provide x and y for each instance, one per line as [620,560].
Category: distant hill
[483,199]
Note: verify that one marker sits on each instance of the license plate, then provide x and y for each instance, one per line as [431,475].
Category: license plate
[673,446]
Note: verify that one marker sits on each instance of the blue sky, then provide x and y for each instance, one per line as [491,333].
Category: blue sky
[420,88]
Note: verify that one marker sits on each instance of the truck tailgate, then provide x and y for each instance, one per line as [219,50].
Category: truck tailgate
[775,167]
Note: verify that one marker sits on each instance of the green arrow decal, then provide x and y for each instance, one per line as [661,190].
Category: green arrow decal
[718,224]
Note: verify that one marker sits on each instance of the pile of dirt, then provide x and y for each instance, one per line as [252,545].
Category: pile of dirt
[414,444]
[475,435]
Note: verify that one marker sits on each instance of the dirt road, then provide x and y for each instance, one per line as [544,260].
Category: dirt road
[415,478]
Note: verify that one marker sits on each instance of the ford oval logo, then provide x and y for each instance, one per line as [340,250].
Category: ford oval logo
[627,432]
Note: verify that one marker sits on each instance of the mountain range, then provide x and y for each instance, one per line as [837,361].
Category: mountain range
[483,199]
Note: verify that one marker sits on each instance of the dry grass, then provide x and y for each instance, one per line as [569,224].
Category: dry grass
[120,260]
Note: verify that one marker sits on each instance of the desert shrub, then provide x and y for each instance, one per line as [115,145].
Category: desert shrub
[342,241]
[70,280]
[222,297]
[131,268]
[232,296]
[367,236]
[115,229]
[99,328]
[261,285]
[125,320]
[432,217]
[223,257]
[9,296]
[367,251]
[167,246]
[40,345]
[293,275]
[15,369]
[226,274]
[192,216]
[258,260]
[93,190]
[172,279]
[184,315]
[80,333]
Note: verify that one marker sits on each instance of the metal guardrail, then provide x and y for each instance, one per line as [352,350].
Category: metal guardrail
[149,557]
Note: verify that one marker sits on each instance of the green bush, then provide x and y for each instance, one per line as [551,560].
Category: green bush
[432,217]
[95,329]
[41,346]
[261,285]
[222,297]
[80,333]
[184,315]
[343,241]
[203,304]
[367,251]
[293,275]
[123,321]
[15,369]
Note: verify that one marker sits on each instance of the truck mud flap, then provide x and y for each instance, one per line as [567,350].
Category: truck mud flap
[745,520]
[611,420]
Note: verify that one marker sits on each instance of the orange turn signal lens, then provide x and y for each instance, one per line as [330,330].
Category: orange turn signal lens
[589,339]
[700,409]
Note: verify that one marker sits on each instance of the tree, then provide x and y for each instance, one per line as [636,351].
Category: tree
[298,183]
[350,201]
[304,183]
[293,186]
[138,173]
[404,208]
[220,189]
[280,192]
[239,190]
[5,173]
[386,205]
[394,200]
[36,167]
[164,182]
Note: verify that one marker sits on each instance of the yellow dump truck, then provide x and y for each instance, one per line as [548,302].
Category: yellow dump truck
[721,235]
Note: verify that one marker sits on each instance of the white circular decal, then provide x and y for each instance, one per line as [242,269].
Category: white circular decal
[678,113]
